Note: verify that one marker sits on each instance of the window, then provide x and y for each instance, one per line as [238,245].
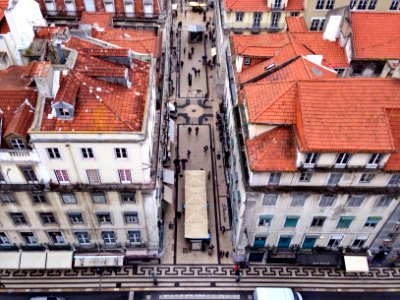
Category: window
[82,237]
[335,240]
[320,4]
[121,153]
[18,218]
[305,177]
[239,16]
[277,3]
[394,180]
[4,241]
[318,222]
[134,237]
[108,237]
[372,222]
[295,14]
[257,19]
[63,112]
[53,153]
[311,159]
[352,4]
[68,198]
[358,69]
[394,5]
[62,176]
[2,179]
[264,221]
[372,4]
[366,178]
[38,198]
[7,198]
[362,4]
[298,200]
[98,197]
[326,200]
[125,176]
[127,197]
[269,199]
[339,71]
[355,201]
[342,160]
[383,201]
[93,176]
[129,8]
[17,144]
[345,222]
[321,25]
[109,5]
[131,217]
[47,218]
[276,16]
[56,238]
[359,241]
[334,178]
[391,237]
[103,217]
[259,241]
[75,217]
[274,178]
[87,152]
[29,174]
[330,4]
[314,24]
[29,238]
[374,160]
[247,60]
[291,221]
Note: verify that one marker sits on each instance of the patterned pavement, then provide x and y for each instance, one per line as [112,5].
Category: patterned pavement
[201,277]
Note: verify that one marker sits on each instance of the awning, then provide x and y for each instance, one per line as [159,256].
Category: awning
[356,264]
[171,125]
[33,260]
[59,260]
[175,6]
[98,260]
[168,176]
[325,259]
[195,28]
[168,192]
[137,253]
[9,260]
[213,51]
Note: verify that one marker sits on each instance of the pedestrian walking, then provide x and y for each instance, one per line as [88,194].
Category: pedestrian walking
[180,24]
[207,25]
[184,161]
[178,215]
[190,79]
[220,253]
[227,254]
[197,130]
[181,63]
[184,50]
[189,130]
[188,154]
[209,175]
[185,13]
[192,49]
[223,229]
[198,72]
[205,149]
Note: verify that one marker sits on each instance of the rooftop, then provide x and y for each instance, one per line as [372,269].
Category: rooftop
[246,5]
[99,20]
[295,5]
[376,35]
[296,24]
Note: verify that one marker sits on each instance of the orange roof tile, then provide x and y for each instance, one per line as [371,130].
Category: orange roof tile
[393,115]
[68,91]
[246,5]
[107,52]
[99,20]
[264,45]
[346,115]
[46,32]
[141,41]
[4,4]
[376,35]
[22,119]
[273,150]
[295,5]
[296,24]
[271,104]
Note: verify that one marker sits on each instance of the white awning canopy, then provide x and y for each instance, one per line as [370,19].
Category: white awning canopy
[168,176]
[98,260]
[356,263]
[33,260]
[213,51]
[59,260]
[9,260]
[168,194]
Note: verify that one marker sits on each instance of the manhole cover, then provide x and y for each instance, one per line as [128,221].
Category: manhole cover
[193,110]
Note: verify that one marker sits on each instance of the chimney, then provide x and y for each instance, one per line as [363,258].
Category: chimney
[44,76]
[332,29]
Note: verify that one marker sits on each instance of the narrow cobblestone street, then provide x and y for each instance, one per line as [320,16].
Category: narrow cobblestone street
[197,105]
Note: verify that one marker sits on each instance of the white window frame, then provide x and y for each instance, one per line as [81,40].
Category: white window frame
[318,218]
[264,220]
[374,160]
[109,6]
[342,160]
[355,201]
[326,196]
[121,153]
[128,195]
[76,218]
[277,4]
[298,200]
[53,153]
[68,196]
[47,218]
[272,199]
[82,237]
[4,240]
[315,24]
[41,196]
[18,218]
[338,238]
[257,17]
[383,201]
[93,176]
[129,12]
[131,217]
[8,198]
[353,4]
[372,4]
[87,153]
[98,195]
[305,176]
[330,4]
[239,16]
[247,61]
[109,237]
[366,178]
[394,5]
[394,180]
[62,176]
[17,144]
[275,18]
[362,240]
[310,160]
[29,239]
[134,237]
[320,5]
[333,179]
[371,223]
[59,239]
[125,176]
[362,4]
[104,217]
[274,178]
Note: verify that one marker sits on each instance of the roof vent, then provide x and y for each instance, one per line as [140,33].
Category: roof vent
[316,71]
[269,67]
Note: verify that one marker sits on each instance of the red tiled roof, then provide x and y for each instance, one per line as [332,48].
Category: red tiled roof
[68,91]
[46,32]
[376,35]
[271,103]
[393,115]
[4,4]
[22,119]
[264,45]
[296,24]
[246,5]
[107,52]
[99,20]
[141,41]
[273,150]
[40,68]
[295,5]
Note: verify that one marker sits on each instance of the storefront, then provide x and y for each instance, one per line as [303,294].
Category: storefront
[321,259]
[10,260]
[59,260]
[356,264]
[98,260]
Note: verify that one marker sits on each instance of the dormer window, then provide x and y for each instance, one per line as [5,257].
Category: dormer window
[63,112]
[247,60]
[374,160]
[311,159]
[17,144]
[342,160]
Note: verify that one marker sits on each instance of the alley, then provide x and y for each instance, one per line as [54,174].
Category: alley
[194,95]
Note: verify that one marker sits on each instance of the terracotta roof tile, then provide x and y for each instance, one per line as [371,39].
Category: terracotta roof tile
[46,32]
[295,5]
[273,150]
[40,68]
[4,4]
[246,5]
[296,24]
[141,41]
[68,91]
[99,20]
[107,52]
[264,45]
[376,35]
[393,115]
[21,120]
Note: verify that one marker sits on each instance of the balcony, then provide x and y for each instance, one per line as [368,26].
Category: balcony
[118,16]
[18,156]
